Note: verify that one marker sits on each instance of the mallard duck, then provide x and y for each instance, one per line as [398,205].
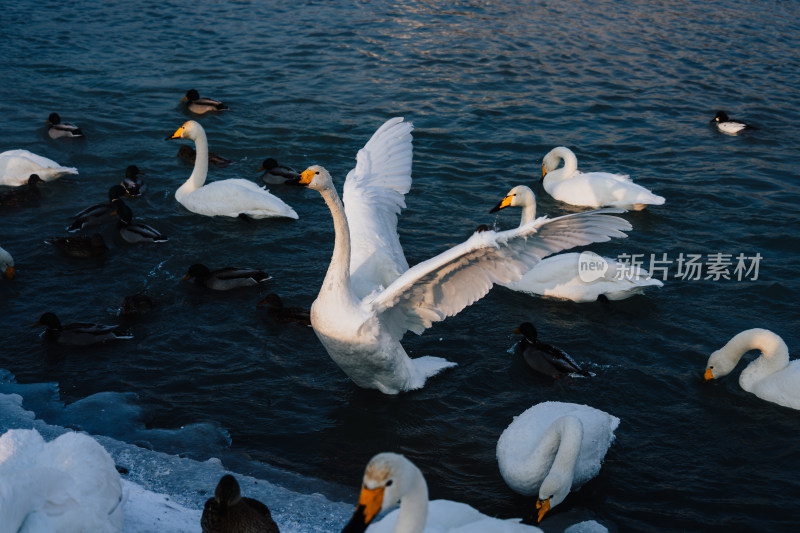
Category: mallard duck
[80,333]
[275,174]
[188,153]
[200,106]
[544,358]
[99,214]
[223,279]
[230,512]
[281,314]
[23,195]
[60,129]
[135,232]
[16,167]
[6,264]
[727,125]
[136,304]
[131,183]
[80,246]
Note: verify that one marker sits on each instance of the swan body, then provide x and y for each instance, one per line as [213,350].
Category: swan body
[226,278]
[229,512]
[79,245]
[136,232]
[591,189]
[16,166]
[99,214]
[724,124]
[545,358]
[552,448]
[67,485]
[370,297]
[6,264]
[231,197]
[200,106]
[79,334]
[559,276]
[771,376]
[391,478]
[58,129]
[23,195]
[275,174]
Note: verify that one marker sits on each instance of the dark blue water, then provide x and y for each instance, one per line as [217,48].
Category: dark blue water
[490,88]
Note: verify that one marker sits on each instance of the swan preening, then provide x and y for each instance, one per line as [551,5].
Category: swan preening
[552,448]
[591,189]
[16,166]
[771,376]
[231,197]
[560,276]
[370,297]
[391,478]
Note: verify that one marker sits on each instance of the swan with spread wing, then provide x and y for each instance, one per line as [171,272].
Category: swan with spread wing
[370,297]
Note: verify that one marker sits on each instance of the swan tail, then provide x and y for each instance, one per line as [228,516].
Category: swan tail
[428,366]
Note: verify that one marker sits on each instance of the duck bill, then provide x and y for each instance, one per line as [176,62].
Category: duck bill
[543,506]
[369,505]
[708,375]
[505,202]
[9,272]
[185,99]
[187,277]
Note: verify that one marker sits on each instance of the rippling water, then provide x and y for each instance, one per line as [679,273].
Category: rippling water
[490,88]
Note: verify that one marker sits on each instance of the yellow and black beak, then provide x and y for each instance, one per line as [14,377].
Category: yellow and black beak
[505,202]
[369,505]
[307,176]
[543,506]
[178,133]
[544,172]
[185,99]
[9,272]
[708,375]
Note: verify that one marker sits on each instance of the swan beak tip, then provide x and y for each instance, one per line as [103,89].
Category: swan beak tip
[505,202]
[708,375]
[543,506]
[9,272]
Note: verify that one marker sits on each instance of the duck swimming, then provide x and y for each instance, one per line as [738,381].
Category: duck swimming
[275,174]
[80,246]
[80,333]
[200,106]
[230,512]
[136,232]
[725,124]
[543,357]
[283,314]
[187,153]
[23,195]
[58,129]
[131,183]
[226,278]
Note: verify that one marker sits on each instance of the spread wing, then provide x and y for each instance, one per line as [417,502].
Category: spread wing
[444,285]
[373,197]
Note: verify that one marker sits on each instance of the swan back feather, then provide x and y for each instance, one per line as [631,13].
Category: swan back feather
[16,166]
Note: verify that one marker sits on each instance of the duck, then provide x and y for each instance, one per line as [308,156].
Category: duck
[131,183]
[6,264]
[391,478]
[282,314]
[563,276]
[230,512]
[136,304]
[771,376]
[59,130]
[65,485]
[136,232]
[80,333]
[370,297]
[79,245]
[16,167]
[591,189]
[553,448]
[275,174]
[99,214]
[727,125]
[200,106]
[545,358]
[226,278]
[188,153]
[231,197]
[23,195]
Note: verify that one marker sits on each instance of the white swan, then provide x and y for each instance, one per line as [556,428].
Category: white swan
[560,276]
[592,189]
[6,264]
[370,297]
[231,197]
[771,377]
[16,166]
[391,478]
[552,448]
[68,485]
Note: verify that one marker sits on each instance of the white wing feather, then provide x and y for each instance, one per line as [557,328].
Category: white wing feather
[373,197]
[444,285]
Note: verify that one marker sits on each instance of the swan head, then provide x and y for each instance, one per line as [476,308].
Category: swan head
[554,489]
[189,130]
[554,157]
[316,177]
[386,480]
[519,196]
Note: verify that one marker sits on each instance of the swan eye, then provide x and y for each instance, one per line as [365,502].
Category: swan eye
[316,173]
[389,483]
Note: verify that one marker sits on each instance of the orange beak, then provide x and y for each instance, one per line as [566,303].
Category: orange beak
[543,506]
[709,375]
[372,500]
[9,273]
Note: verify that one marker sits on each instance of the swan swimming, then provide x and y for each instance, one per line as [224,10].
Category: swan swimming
[552,448]
[391,478]
[231,197]
[591,189]
[370,297]
[16,166]
[771,376]
[560,276]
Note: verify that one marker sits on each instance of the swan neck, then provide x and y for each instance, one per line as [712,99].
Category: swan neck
[200,171]
[566,436]
[339,269]
[774,355]
[528,210]
[570,161]
[414,504]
